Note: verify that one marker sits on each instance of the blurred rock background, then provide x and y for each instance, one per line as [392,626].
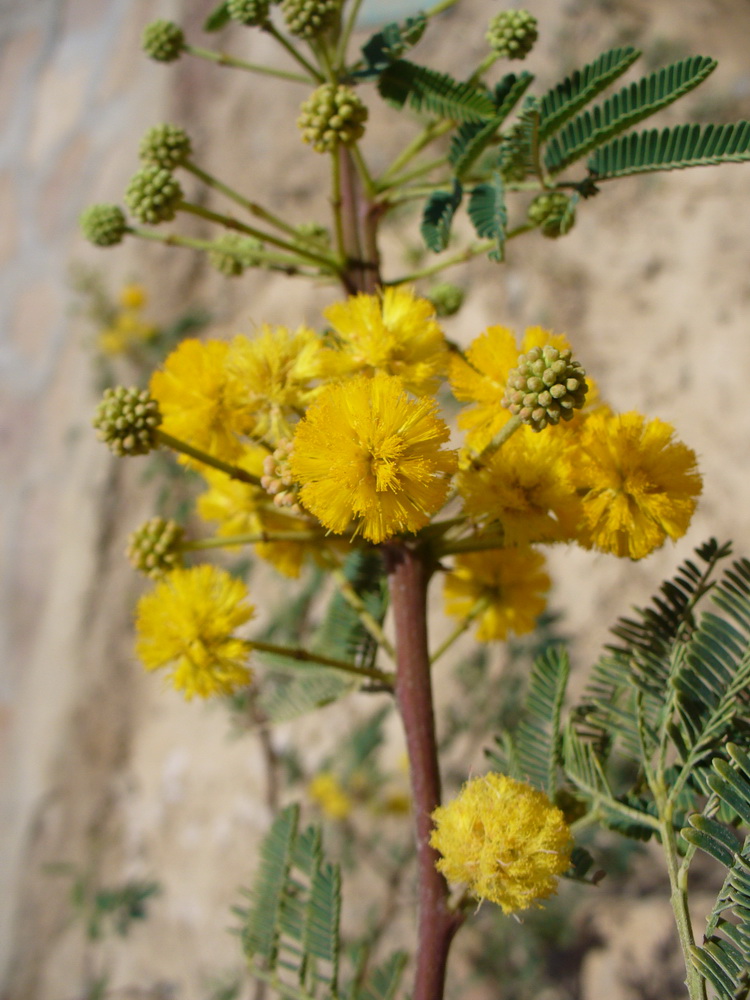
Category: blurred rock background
[100,767]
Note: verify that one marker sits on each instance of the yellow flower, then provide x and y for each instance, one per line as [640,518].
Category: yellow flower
[505,840]
[326,791]
[126,331]
[132,296]
[197,398]
[480,378]
[395,333]
[366,451]
[242,508]
[273,375]
[511,582]
[185,626]
[525,487]
[636,484]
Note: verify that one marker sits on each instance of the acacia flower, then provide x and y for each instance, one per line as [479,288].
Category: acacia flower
[326,791]
[273,375]
[512,582]
[185,626]
[525,487]
[367,452]
[197,398]
[242,508]
[394,332]
[504,839]
[637,485]
[480,378]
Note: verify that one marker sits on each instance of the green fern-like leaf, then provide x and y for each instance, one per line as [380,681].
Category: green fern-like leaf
[437,217]
[472,138]
[434,92]
[592,128]
[489,215]
[342,634]
[672,149]
[383,981]
[218,18]
[566,98]
[389,44]
[261,931]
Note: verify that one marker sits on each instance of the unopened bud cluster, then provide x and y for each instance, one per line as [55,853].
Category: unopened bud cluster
[163,41]
[546,387]
[166,146]
[277,478]
[512,33]
[232,253]
[127,421]
[309,18]
[153,195]
[103,225]
[250,12]
[553,213]
[446,298]
[154,548]
[332,114]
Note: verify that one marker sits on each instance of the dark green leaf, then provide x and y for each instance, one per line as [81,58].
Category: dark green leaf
[389,44]
[488,213]
[218,18]
[437,93]
[438,215]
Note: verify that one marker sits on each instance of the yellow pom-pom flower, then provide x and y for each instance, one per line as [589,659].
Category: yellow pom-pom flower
[396,333]
[636,483]
[525,487]
[273,375]
[185,626]
[481,377]
[326,791]
[511,583]
[198,398]
[132,296]
[505,840]
[368,453]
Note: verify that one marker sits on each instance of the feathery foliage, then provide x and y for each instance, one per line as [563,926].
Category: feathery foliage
[488,213]
[389,44]
[438,216]
[434,92]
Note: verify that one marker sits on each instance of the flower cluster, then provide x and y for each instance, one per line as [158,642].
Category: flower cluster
[312,444]
[127,330]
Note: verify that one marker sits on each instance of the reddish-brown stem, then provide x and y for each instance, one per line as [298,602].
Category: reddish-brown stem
[408,574]
[359,220]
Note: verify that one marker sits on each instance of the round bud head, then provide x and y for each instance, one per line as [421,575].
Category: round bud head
[231,253]
[163,41]
[554,213]
[166,146]
[545,387]
[127,420]
[250,12]
[103,225]
[332,114]
[512,33]
[446,298]
[154,548]
[153,195]
[309,18]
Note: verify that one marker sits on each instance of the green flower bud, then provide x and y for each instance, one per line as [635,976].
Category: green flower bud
[332,115]
[231,253]
[545,387]
[103,225]
[250,12]
[309,18]
[315,232]
[512,33]
[153,195]
[446,298]
[163,41]
[166,146]
[154,548]
[127,420]
[554,213]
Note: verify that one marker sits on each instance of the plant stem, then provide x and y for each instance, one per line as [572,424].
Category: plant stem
[293,52]
[425,137]
[408,575]
[271,261]
[233,471]
[343,42]
[252,538]
[303,656]
[480,605]
[352,598]
[224,60]
[678,898]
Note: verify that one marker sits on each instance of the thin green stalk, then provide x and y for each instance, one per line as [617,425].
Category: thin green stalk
[233,471]
[251,538]
[251,206]
[480,606]
[440,7]
[364,174]
[336,204]
[425,137]
[418,172]
[294,53]
[505,432]
[460,258]
[274,261]
[230,222]
[304,656]
[679,900]
[346,32]
[351,596]
[477,543]
[224,60]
